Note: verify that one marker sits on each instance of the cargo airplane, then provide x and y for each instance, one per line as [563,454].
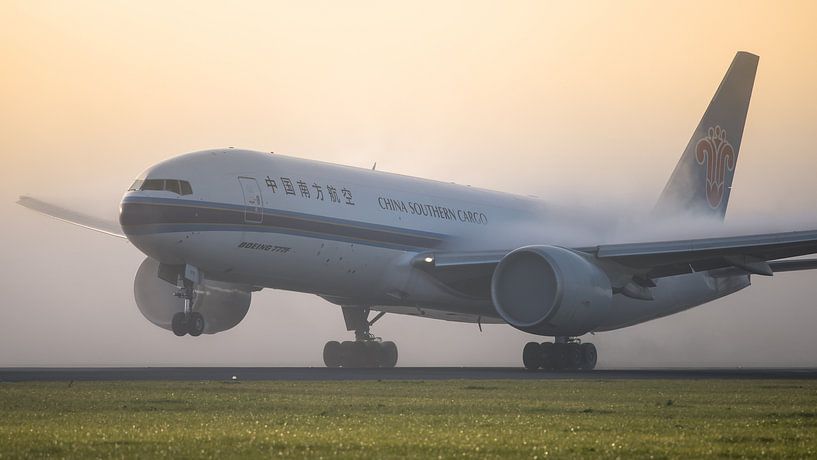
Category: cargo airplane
[218,225]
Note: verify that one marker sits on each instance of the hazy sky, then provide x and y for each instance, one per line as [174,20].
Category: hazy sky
[591,102]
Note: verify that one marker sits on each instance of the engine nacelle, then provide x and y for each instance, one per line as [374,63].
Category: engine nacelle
[223,305]
[549,290]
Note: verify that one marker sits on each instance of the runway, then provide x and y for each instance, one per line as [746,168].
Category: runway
[400,373]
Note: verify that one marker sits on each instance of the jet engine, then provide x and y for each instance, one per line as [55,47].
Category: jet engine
[549,290]
[223,305]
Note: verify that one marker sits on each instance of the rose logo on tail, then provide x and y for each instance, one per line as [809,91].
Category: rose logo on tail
[716,154]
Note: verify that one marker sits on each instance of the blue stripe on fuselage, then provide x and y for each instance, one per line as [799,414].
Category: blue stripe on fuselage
[150,215]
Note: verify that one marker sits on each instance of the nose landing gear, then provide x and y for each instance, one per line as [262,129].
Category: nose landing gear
[565,354]
[366,350]
[189,321]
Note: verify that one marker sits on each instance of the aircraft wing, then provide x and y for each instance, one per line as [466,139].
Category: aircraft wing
[752,253]
[756,254]
[72,217]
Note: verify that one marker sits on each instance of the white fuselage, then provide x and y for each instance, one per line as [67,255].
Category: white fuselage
[350,234]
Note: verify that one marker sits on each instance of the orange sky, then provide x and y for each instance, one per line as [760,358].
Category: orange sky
[595,99]
[534,92]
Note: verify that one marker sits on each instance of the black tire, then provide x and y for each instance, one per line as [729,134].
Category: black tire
[179,324]
[557,356]
[332,354]
[532,356]
[347,355]
[359,355]
[371,357]
[195,324]
[549,356]
[571,356]
[589,356]
[388,354]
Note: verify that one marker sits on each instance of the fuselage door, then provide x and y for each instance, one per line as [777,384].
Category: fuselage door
[253,204]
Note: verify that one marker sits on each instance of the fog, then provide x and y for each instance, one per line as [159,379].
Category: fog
[586,105]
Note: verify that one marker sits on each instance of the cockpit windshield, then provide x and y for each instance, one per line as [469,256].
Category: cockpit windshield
[179,187]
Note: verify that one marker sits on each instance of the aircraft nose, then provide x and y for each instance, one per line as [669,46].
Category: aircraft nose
[139,221]
[127,216]
[133,215]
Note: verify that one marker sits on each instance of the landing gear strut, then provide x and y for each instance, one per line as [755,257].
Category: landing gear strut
[366,350]
[189,321]
[565,353]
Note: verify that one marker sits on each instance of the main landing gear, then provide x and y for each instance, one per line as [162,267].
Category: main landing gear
[366,350]
[189,321]
[565,354]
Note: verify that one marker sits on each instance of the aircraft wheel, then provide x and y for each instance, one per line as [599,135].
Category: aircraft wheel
[572,356]
[179,324]
[371,355]
[348,350]
[354,354]
[388,354]
[532,356]
[589,356]
[360,355]
[195,324]
[558,356]
[332,354]
[548,356]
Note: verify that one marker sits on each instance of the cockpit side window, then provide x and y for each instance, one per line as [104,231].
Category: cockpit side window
[179,187]
[172,185]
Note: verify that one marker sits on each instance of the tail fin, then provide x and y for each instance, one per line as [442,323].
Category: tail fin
[702,179]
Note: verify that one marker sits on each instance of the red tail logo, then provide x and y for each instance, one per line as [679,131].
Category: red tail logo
[716,154]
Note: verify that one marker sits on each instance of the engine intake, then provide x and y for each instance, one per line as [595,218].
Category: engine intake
[550,290]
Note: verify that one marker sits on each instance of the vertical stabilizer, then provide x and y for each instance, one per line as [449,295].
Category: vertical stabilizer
[701,181]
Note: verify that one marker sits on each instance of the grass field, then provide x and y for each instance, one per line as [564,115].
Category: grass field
[431,419]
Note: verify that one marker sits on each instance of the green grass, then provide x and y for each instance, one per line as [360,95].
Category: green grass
[431,419]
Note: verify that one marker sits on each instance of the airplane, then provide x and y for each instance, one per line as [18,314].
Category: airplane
[218,225]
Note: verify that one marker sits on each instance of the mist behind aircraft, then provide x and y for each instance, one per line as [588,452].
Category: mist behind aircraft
[587,104]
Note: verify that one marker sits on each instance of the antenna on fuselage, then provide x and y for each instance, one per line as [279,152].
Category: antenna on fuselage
[374,166]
